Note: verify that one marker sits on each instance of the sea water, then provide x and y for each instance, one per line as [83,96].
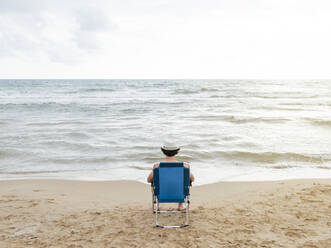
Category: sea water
[228,130]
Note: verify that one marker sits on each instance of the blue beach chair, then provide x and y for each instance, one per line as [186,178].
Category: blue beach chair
[171,182]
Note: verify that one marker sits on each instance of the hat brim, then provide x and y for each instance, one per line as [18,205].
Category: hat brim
[163,148]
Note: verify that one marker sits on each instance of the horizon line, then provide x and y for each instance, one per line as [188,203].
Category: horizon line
[258,79]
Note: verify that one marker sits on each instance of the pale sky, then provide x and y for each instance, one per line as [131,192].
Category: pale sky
[275,39]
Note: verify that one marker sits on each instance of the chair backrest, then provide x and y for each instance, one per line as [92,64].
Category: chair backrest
[171,181]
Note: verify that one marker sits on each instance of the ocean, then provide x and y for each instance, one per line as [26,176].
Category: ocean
[228,130]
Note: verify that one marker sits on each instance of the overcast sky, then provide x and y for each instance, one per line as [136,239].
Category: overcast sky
[165,39]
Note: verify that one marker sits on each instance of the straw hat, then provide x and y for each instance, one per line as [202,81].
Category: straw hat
[170,147]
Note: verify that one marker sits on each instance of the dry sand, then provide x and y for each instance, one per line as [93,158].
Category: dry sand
[56,213]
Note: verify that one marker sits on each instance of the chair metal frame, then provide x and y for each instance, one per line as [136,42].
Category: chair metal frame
[156,203]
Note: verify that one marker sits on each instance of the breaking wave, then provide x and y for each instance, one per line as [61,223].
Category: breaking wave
[319,122]
[266,157]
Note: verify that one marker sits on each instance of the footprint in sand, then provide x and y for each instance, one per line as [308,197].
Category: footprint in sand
[52,201]
[9,196]
[8,217]
[5,201]
[297,233]
[248,231]
[240,211]
[310,219]
[74,246]
[33,203]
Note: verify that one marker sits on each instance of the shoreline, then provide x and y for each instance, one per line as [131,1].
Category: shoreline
[70,213]
[196,184]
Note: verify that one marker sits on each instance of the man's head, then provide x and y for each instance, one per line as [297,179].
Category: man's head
[170,150]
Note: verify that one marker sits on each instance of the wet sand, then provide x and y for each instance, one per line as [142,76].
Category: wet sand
[58,213]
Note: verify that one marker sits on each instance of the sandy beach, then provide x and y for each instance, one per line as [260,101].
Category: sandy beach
[58,213]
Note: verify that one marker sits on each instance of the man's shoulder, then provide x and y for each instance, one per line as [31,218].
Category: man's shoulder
[156,165]
[186,164]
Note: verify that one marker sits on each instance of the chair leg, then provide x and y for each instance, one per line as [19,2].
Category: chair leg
[157,212]
[187,207]
[153,200]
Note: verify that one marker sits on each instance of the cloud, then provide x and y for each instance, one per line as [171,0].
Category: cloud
[57,32]
[165,38]
[90,22]
[20,6]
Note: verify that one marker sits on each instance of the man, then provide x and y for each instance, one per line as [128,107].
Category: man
[170,151]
